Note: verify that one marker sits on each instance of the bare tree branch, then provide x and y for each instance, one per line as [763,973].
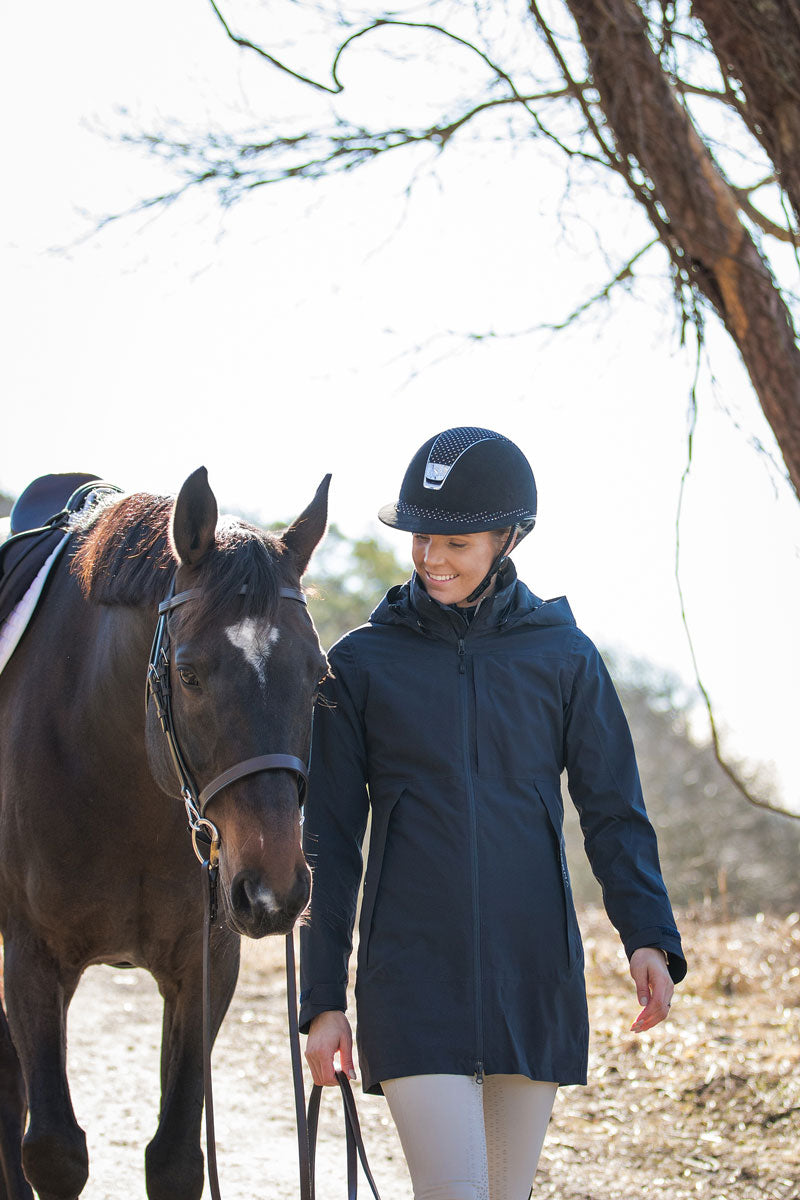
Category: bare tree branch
[731,771]
[246,44]
[727,97]
[457,337]
[379,23]
[771,228]
[698,215]
[608,152]
[235,167]
[645,61]
[625,273]
[759,46]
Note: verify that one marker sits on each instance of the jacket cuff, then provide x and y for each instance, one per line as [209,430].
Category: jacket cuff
[319,999]
[661,938]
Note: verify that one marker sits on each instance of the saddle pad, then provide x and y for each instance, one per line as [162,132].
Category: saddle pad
[27,557]
[16,623]
[20,560]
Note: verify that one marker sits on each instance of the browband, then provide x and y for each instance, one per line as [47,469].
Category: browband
[193,593]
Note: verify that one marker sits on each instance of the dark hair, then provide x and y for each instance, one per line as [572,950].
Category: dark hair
[124,556]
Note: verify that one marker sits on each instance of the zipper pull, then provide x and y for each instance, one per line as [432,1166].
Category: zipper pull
[479,1072]
[462,670]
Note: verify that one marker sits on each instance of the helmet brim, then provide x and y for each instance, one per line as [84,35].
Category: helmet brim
[392,515]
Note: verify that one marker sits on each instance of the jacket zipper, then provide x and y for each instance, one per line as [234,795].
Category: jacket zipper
[473,821]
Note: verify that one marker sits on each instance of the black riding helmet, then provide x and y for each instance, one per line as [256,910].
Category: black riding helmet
[466,480]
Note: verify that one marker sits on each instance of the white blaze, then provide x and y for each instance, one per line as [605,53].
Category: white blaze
[255,642]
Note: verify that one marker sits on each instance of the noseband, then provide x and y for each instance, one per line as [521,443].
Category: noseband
[158,686]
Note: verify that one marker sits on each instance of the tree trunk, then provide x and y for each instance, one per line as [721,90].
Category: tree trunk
[704,234]
[757,42]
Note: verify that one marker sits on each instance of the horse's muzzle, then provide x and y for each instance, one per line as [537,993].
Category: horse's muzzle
[257,911]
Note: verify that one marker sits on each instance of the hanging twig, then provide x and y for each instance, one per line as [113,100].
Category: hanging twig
[726,766]
[246,44]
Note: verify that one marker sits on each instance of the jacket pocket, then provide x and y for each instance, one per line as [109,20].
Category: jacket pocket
[552,803]
[381,824]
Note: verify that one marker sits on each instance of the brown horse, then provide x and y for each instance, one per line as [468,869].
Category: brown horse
[96,864]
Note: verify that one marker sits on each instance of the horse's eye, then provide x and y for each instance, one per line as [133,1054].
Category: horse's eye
[188,677]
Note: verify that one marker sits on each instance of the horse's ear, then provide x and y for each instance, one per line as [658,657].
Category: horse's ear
[304,534]
[194,519]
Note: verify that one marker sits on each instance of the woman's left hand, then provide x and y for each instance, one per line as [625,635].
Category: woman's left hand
[654,987]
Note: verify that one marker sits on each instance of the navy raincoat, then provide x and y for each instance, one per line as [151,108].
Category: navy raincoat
[456,734]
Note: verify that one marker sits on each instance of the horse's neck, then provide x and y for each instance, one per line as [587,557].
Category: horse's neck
[104,651]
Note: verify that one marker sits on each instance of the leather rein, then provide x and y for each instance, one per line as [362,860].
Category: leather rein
[206,842]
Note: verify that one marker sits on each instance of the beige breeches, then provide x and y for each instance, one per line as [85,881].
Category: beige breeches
[465,1140]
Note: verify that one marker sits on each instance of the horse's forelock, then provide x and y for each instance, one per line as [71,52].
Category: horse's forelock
[240,574]
[124,557]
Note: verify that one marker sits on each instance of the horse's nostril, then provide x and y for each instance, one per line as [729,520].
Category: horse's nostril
[257,910]
[249,895]
[299,896]
[261,897]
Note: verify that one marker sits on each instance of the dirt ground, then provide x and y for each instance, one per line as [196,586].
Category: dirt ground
[706,1106]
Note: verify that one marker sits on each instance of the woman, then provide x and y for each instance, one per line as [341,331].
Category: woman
[452,715]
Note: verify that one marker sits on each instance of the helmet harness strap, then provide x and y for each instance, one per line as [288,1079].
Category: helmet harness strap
[498,563]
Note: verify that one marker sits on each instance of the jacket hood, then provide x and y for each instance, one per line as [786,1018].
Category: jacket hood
[512,603]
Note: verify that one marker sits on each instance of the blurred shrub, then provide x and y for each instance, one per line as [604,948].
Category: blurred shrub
[348,577]
[715,847]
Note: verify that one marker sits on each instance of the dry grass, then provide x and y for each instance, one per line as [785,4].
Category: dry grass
[706,1106]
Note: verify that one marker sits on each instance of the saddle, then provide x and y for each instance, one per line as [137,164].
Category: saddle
[37,530]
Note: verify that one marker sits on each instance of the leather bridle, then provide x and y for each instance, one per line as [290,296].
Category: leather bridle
[205,832]
[159,688]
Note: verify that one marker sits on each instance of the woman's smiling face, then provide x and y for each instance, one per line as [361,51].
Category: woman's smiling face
[452,565]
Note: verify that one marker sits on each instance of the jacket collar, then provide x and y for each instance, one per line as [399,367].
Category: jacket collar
[511,603]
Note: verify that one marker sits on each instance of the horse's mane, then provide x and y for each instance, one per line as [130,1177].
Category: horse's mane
[124,556]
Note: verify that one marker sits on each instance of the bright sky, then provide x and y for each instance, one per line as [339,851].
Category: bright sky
[277,342]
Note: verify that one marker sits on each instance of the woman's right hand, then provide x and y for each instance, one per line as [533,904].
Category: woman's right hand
[328,1034]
